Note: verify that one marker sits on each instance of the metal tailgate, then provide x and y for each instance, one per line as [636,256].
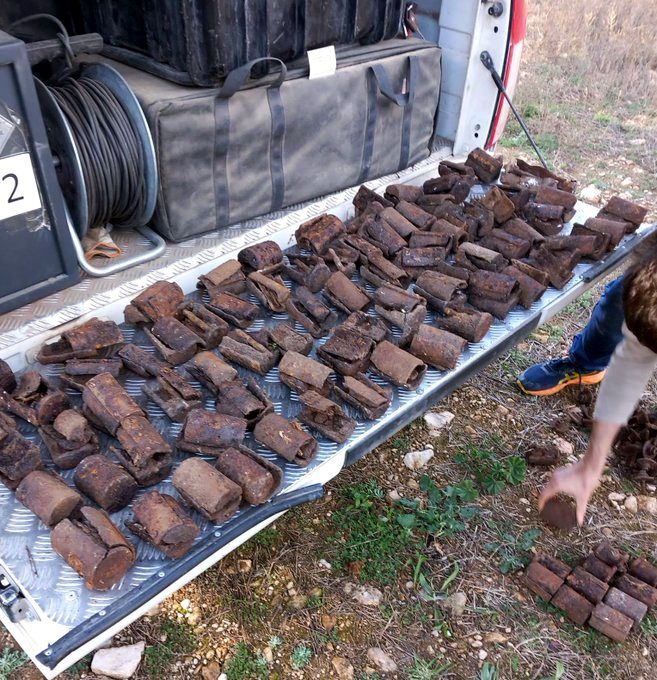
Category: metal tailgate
[61,620]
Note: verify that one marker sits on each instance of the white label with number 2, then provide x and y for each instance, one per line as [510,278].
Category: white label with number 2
[19,192]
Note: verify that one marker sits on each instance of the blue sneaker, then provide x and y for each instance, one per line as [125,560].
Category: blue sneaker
[550,377]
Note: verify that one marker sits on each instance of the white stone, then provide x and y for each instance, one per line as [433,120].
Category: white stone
[324,564]
[616,497]
[384,662]
[394,495]
[118,662]
[223,676]
[368,596]
[185,604]
[627,182]
[244,566]
[647,504]
[269,655]
[414,460]
[482,654]
[590,194]
[631,504]
[437,421]
[455,603]
[343,668]
[564,447]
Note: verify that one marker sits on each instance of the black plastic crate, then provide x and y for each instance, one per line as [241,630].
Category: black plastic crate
[197,42]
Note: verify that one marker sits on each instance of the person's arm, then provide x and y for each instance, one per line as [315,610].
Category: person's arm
[630,368]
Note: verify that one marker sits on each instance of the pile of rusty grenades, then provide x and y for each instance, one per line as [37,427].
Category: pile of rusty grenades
[609,591]
[437,246]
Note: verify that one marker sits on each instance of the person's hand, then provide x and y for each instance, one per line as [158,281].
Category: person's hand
[578,481]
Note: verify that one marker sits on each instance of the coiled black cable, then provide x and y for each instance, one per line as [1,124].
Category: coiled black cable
[110,152]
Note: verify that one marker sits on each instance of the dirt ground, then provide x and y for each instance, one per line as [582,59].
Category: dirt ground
[440,551]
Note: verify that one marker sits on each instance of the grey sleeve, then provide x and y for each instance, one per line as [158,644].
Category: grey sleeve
[630,369]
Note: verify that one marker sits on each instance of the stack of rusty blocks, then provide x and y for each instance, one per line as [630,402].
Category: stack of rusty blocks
[608,590]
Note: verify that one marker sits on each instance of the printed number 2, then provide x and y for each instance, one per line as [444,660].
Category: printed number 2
[12,196]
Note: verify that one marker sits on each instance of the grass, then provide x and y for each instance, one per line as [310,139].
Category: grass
[245,664]
[511,547]
[366,539]
[174,639]
[491,472]
[10,661]
[300,657]
[423,669]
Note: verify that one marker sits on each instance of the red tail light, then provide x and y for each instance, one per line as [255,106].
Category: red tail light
[511,68]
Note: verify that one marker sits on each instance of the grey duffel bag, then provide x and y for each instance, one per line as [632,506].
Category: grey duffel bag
[251,147]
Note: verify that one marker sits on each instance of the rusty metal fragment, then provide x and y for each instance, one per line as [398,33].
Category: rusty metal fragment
[499,204]
[308,270]
[210,370]
[559,513]
[309,311]
[368,398]
[512,247]
[472,256]
[244,350]
[237,311]
[378,270]
[445,228]
[159,520]
[140,361]
[325,416]
[91,544]
[206,490]
[627,211]
[498,308]
[159,300]
[265,255]
[366,325]
[69,438]
[541,175]
[545,218]
[430,239]
[257,477]
[402,192]
[10,405]
[436,347]
[378,232]
[287,339]
[594,565]
[286,438]
[105,482]
[317,233]
[77,372]
[47,496]
[345,294]
[210,327]
[414,261]
[441,291]
[615,230]
[610,622]
[486,167]
[249,401]
[541,581]
[208,433]
[586,584]
[228,277]
[589,245]
[493,285]
[7,377]
[173,394]
[400,307]
[18,455]
[530,289]
[398,222]
[538,275]
[365,197]
[447,167]
[143,451]
[398,366]
[346,351]
[441,184]
[415,215]
[602,241]
[626,604]
[484,216]
[94,338]
[643,570]
[173,340]
[554,196]
[271,291]
[302,373]
[107,404]
[523,230]
[559,272]
[470,324]
[577,608]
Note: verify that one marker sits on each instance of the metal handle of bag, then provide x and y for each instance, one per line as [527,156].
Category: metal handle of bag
[385,86]
[238,77]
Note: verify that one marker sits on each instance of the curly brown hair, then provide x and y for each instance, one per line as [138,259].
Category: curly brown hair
[640,294]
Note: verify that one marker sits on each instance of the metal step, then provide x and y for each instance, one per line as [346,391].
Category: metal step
[53,616]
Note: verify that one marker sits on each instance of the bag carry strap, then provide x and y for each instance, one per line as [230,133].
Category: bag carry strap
[234,81]
[378,81]
[238,77]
